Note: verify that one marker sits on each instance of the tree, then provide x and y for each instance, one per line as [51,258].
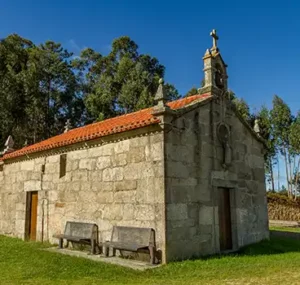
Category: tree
[121,82]
[192,91]
[282,119]
[39,90]
[56,97]
[14,90]
[294,137]
[266,132]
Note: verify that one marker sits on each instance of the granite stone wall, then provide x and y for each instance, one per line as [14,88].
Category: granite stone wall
[118,183]
[194,175]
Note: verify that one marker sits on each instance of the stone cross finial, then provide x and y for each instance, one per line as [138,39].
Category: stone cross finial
[67,126]
[215,38]
[9,144]
[160,96]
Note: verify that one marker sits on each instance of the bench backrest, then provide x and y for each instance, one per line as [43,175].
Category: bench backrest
[140,236]
[82,230]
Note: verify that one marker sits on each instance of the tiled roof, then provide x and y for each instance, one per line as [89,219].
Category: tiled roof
[114,125]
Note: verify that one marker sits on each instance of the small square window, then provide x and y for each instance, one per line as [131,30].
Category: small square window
[62,165]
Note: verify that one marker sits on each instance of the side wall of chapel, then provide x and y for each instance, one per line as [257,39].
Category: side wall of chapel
[118,183]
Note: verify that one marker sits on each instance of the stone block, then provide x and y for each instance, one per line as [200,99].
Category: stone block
[136,154]
[34,175]
[177,170]
[145,212]
[258,174]
[118,173]
[27,165]
[87,196]
[106,186]
[52,168]
[113,212]
[125,196]
[95,151]
[80,175]
[74,185]
[72,165]
[119,159]
[129,212]
[32,185]
[150,190]
[105,197]
[95,176]
[87,163]
[53,159]
[125,185]
[103,162]
[77,154]
[122,146]
[206,215]
[177,211]
[183,223]
[154,152]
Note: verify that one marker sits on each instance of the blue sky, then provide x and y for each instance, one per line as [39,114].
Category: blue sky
[259,39]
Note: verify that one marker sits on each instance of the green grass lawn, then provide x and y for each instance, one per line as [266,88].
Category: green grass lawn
[285,229]
[270,262]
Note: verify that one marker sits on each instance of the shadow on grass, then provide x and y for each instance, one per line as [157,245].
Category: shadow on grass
[283,242]
[280,242]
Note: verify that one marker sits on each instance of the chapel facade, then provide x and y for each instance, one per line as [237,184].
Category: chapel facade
[191,169]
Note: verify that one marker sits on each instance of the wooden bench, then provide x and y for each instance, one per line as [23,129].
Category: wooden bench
[84,233]
[132,239]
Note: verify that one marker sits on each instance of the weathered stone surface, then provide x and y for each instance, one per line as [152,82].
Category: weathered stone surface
[103,162]
[125,185]
[32,185]
[27,165]
[87,163]
[177,212]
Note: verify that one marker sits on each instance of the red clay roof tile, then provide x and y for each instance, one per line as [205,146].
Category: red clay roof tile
[114,125]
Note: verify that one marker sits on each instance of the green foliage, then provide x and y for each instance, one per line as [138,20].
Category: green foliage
[121,82]
[41,86]
[192,91]
[294,135]
[281,119]
[244,109]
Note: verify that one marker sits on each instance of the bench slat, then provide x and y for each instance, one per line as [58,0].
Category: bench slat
[126,246]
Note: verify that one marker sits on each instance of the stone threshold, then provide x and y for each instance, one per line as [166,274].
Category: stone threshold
[129,263]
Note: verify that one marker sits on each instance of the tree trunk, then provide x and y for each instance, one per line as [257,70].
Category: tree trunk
[278,174]
[271,173]
[297,177]
[291,173]
[287,173]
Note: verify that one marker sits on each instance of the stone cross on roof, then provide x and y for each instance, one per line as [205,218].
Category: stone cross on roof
[215,38]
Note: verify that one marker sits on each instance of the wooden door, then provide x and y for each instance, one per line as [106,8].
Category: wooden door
[32,214]
[225,219]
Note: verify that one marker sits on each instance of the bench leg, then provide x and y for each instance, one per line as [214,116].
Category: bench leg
[114,252]
[106,250]
[61,242]
[152,254]
[93,246]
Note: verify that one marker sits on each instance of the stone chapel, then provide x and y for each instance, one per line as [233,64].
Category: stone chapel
[191,169]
